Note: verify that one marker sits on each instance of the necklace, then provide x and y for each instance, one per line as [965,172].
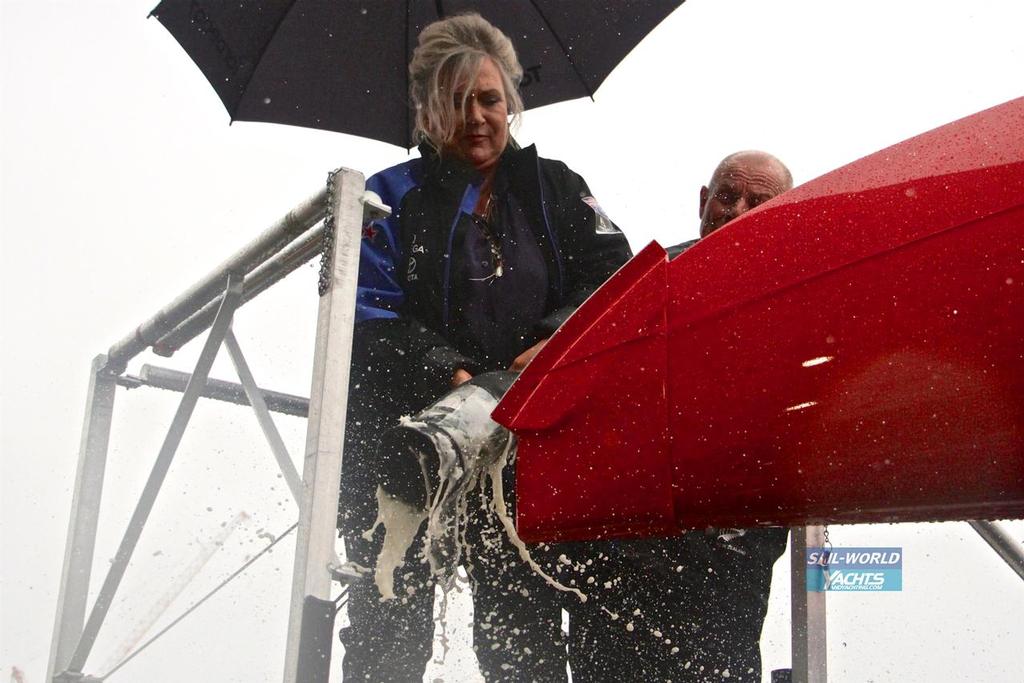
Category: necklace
[483,221]
[486,213]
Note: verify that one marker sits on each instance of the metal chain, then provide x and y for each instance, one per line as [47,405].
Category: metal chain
[327,246]
[824,534]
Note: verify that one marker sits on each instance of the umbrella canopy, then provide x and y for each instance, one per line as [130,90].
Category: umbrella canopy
[342,65]
[848,352]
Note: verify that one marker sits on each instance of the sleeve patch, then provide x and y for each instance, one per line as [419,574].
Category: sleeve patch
[604,223]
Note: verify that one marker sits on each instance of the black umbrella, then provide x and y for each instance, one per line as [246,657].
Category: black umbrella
[341,65]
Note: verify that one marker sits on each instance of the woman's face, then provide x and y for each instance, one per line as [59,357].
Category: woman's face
[482,131]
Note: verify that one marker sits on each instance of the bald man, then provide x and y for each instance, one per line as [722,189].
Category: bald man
[688,608]
[741,181]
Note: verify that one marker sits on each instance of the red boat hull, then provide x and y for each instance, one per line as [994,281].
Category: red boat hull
[852,351]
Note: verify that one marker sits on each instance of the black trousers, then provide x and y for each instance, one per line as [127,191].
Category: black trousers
[686,609]
[654,645]
[517,632]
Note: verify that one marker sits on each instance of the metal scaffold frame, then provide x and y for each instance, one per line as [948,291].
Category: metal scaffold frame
[210,305]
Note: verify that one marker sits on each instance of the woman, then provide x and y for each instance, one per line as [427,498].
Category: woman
[488,249]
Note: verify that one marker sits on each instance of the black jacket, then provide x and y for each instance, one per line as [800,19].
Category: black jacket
[406,344]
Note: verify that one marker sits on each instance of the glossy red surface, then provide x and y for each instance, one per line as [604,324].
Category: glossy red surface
[852,351]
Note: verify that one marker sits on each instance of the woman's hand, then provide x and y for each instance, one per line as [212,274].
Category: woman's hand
[460,377]
[526,356]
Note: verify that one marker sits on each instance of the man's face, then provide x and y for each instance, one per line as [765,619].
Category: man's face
[737,187]
[483,125]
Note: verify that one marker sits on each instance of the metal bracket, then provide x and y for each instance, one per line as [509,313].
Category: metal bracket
[374,207]
[74,677]
[348,572]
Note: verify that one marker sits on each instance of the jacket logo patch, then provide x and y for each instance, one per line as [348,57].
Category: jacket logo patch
[604,224]
[410,271]
[369,231]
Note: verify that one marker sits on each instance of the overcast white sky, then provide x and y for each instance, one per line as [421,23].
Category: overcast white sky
[122,184]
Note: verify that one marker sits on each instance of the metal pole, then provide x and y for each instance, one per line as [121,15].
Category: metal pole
[298,252]
[810,652]
[156,477]
[1008,548]
[321,473]
[85,511]
[277,447]
[270,242]
[218,389]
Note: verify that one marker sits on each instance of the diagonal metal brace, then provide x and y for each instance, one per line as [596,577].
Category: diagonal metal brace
[1008,548]
[231,299]
[259,406]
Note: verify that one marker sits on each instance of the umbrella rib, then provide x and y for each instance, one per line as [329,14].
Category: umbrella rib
[565,52]
[259,60]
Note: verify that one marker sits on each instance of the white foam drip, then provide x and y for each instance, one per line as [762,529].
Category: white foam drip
[498,505]
[400,522]
[442,619]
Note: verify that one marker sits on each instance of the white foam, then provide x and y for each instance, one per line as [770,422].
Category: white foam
[401,522]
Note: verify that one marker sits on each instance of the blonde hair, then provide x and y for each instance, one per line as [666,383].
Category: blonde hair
[450,52]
